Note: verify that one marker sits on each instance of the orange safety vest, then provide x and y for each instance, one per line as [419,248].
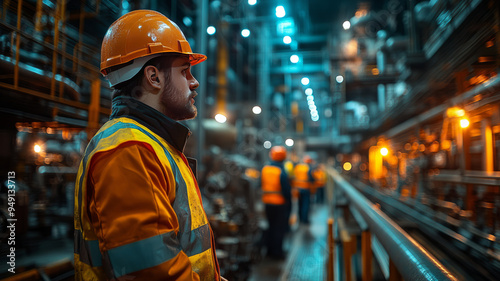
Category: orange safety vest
[319,177]
[271,185]
[301,176]
[149,222]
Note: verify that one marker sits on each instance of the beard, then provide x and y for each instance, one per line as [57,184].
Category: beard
[175,105]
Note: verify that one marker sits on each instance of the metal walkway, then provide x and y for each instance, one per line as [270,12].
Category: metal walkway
[307,253]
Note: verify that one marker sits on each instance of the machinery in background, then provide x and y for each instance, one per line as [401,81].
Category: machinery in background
[231,189]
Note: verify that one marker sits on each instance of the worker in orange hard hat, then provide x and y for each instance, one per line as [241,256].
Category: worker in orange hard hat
[303,182]
[138,208]
[276,197]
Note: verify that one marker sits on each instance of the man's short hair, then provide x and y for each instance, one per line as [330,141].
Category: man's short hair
[132,87]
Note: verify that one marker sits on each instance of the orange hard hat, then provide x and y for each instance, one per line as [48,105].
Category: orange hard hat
[278,153]
[307,159]
[137,37]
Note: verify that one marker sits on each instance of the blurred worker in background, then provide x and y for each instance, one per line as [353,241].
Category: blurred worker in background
[138,209]
[276,196]
[303,182]
[319,175]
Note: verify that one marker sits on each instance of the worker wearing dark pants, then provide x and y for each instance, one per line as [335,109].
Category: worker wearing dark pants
[302,182]
[276,197]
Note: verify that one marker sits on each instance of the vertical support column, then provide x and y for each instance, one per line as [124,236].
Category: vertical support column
[64,40]
[222,65]
[331,248]
[366,255]
[414,38]
[94,107]
[56,46]
[487,140]
[470,198]
[394,274]
[201,76]
[347,249]
[263,82]
[5,7]
[18,43]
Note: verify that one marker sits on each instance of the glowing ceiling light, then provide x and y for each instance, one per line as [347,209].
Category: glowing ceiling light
[245,32]
[347,166]
[280,11]
[287,39]
[289,142]
[304,81]
[256,109]
[211,30]
[346,25]
[252,2]
[267,144]
[309,91]
[37,148]
[339,79]
[384,151]
[187,21]
[220,118]
[294,58]
[464,123]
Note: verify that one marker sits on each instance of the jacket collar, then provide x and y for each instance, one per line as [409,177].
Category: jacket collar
[170,130]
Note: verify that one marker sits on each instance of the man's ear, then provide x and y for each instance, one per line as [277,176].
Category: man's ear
[152,76]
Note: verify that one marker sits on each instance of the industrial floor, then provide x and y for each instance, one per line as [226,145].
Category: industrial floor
[306,246]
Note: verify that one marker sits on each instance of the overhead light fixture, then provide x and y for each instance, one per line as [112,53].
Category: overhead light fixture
[294,58]
[187,21]
[256,110]
[304,81]
[280,11]
[267,144]
[347,166]
[252,2]
[309,91]
[245,32]
[220,118]
[211,30]
[339,79]
[346,25]
[464,123]
[289,142]
[287,39]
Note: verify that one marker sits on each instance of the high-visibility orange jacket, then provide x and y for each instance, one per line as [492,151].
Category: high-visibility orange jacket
[275,184]
[138,209]
[302,176]
[319,177]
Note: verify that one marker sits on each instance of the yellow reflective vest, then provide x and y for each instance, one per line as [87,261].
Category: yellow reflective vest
[138,209]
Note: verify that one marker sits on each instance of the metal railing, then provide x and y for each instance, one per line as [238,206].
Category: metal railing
[407,258]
